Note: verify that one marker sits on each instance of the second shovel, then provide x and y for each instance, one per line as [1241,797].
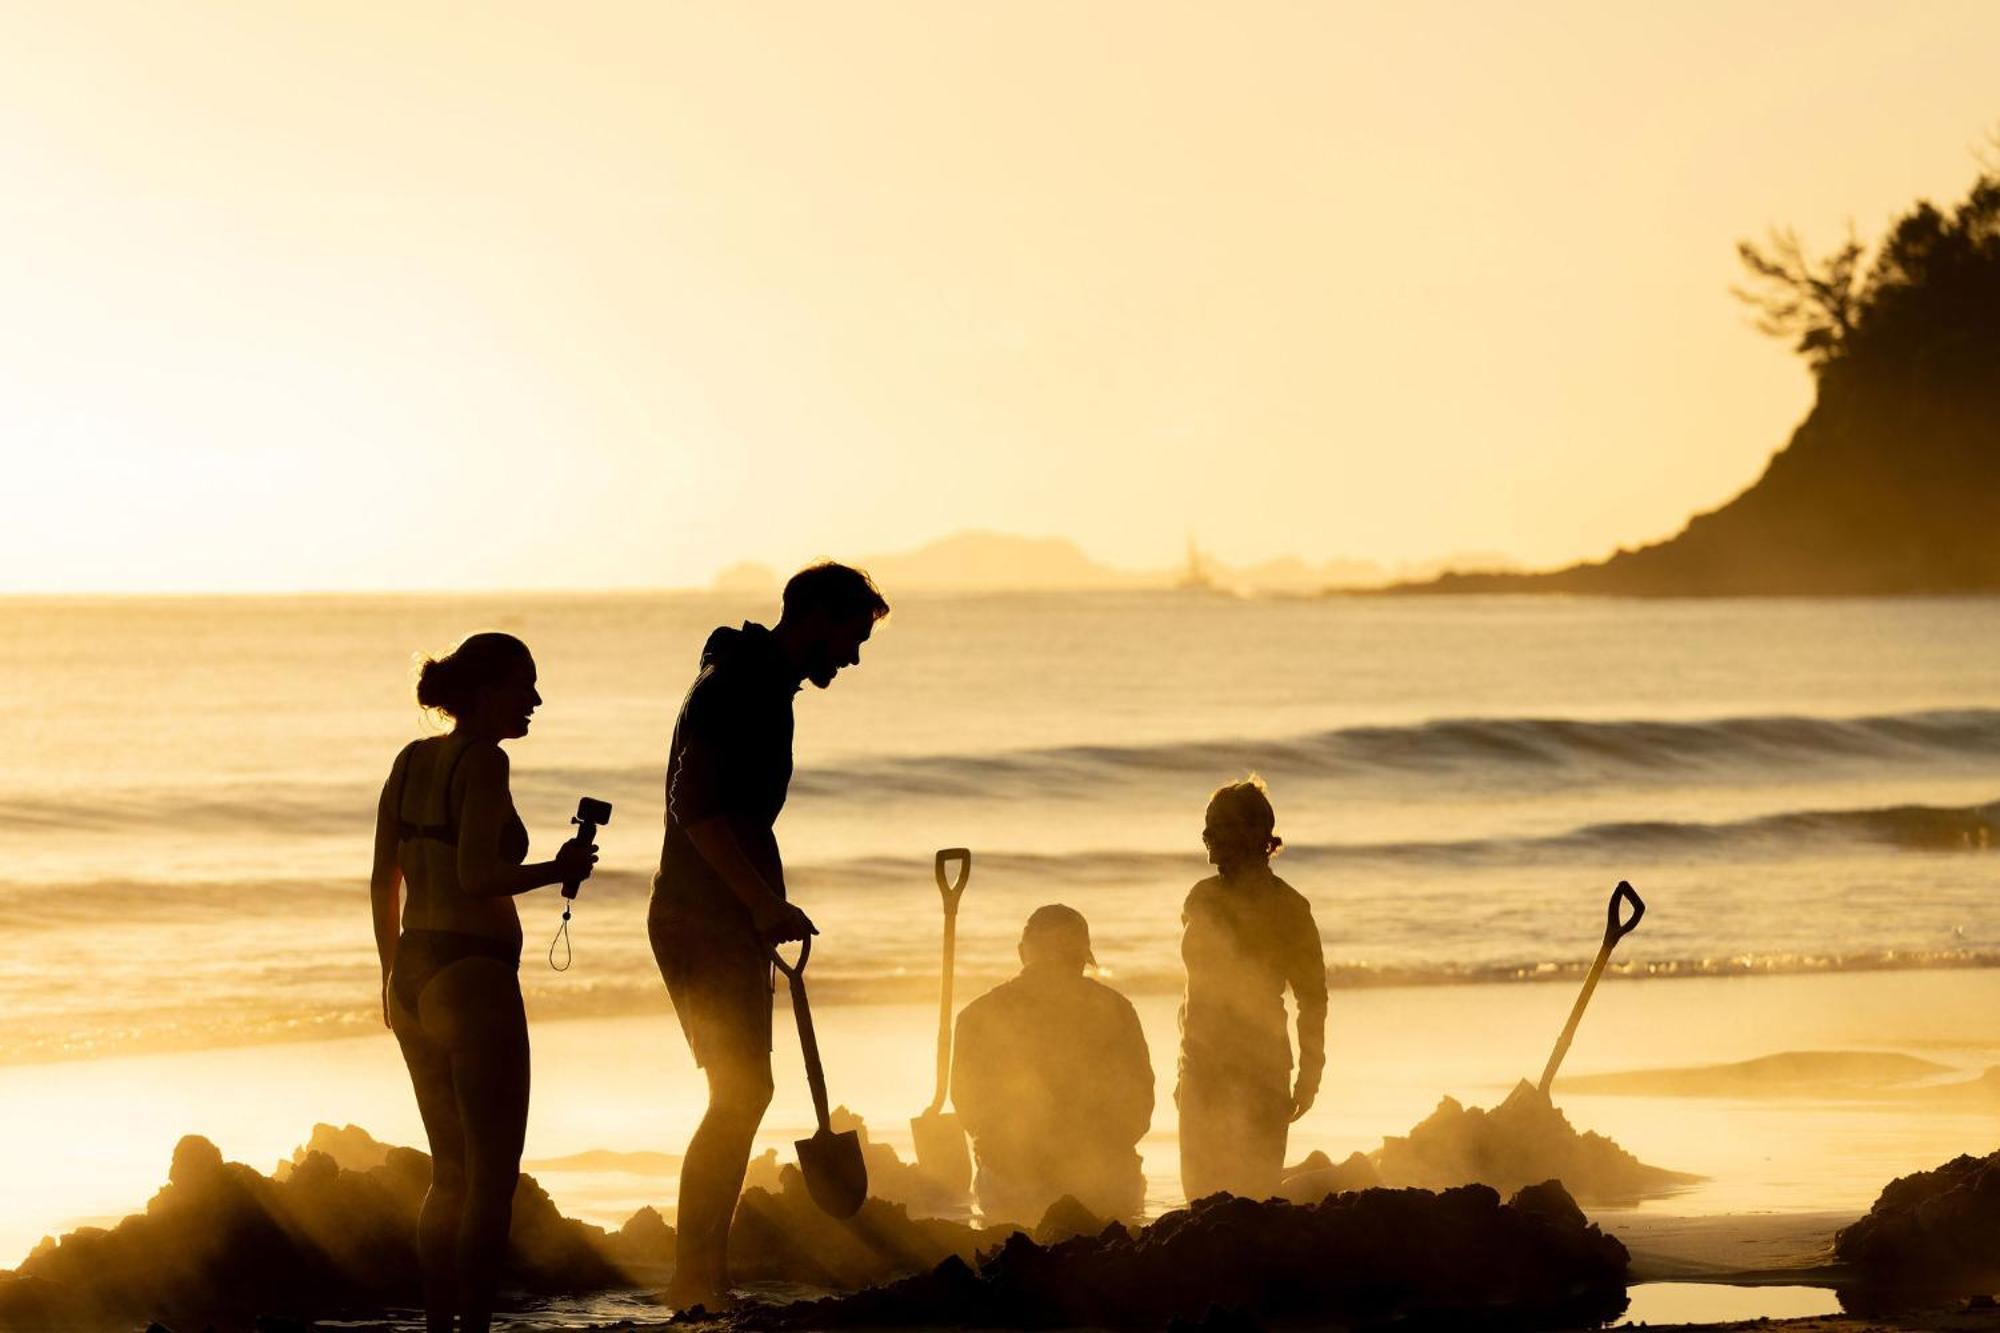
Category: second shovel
[939,1138]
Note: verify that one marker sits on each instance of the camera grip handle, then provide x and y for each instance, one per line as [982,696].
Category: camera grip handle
[587,831]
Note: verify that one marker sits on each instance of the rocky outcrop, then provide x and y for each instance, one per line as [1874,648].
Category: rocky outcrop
[1889,485]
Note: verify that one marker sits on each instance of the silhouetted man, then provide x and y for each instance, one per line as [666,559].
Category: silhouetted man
[719,900]
[1052,1079]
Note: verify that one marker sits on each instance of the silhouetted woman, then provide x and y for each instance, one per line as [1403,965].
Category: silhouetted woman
[451,987]
[1247,936]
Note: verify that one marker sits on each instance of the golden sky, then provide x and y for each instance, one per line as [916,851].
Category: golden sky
[361,295]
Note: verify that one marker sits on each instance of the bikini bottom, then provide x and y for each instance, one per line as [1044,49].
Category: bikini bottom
[422,954]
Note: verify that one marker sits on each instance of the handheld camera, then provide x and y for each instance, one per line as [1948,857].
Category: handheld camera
[590,814]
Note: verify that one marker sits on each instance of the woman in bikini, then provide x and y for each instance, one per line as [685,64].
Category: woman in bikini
[451,957]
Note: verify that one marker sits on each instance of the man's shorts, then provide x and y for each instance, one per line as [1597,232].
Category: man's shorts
[720,980]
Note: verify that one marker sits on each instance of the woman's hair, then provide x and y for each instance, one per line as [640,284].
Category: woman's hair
[450,683]
[1241,823]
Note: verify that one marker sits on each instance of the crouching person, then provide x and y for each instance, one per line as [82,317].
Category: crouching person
[1052,1080]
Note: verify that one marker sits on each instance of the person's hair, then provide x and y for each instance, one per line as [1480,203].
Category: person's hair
[1242,823]
[450,683]
[841,591]
[1057,930]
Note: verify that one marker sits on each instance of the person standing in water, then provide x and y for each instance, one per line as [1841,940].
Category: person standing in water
[719,903]
[1247,935]
[1051,1076]
[451,960]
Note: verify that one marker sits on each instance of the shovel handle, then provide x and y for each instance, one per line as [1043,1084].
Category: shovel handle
[1614,929]
[795,973]
[952,888]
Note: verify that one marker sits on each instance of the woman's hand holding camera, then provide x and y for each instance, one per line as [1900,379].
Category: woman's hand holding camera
[575,859]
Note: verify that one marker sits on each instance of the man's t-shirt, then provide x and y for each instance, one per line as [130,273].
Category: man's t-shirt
[731,757]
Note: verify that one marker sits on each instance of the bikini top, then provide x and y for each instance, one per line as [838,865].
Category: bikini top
[514,836]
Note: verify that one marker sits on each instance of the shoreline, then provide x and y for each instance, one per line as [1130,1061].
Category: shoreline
[836,994]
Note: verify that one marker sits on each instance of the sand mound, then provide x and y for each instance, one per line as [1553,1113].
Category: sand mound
[1318,1176]
[222,1241]
[351,1147]
[890,1178]
[782,1236]
[1787,1074]
[1378,1255]
[334,1230]
[897,1181]
[1523,1140]
[1934,1230]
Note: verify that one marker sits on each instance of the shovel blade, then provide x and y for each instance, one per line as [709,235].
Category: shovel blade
[942,1153]
[835,1171]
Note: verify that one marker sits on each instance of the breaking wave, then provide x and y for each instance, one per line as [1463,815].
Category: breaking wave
[1556,751]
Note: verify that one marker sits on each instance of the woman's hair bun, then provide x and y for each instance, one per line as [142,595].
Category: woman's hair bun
[450,683]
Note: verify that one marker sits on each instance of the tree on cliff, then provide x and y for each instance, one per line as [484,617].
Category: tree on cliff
[1814,301]
[1892,482]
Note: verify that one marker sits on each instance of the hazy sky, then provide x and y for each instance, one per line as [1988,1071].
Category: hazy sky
[374,295]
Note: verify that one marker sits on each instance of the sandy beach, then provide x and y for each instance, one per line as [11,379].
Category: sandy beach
[1785,1164]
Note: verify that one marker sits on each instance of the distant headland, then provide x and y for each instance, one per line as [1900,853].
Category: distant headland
[1000,562]
[1891,485]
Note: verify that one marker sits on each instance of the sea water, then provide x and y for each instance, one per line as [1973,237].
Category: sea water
[188,789]
[1803,791]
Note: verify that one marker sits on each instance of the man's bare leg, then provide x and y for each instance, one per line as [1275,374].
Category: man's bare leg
[739,1092]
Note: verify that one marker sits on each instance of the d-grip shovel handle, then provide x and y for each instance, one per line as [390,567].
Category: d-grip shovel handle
[1614,929]
[795,973]
[952,889]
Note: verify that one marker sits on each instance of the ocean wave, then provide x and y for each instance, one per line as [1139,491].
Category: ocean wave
[1554,752]
[1516,745]
[1903,827]
[1789,834]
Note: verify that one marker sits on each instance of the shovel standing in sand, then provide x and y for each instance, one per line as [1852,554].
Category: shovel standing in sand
[835,1171]
[937,1133]
[1614,931]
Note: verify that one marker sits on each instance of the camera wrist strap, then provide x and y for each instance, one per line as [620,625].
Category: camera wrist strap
[562,938]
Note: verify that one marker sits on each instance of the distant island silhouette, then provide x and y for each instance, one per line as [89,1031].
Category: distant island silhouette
[1000,562]
[1891,485]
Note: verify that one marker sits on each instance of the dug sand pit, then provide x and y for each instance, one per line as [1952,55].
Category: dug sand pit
[1522,1140]
[1372,1257]
[1935,1230]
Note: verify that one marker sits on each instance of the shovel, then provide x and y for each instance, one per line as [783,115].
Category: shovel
[1614,931]
[836,1174]
[939,1138]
